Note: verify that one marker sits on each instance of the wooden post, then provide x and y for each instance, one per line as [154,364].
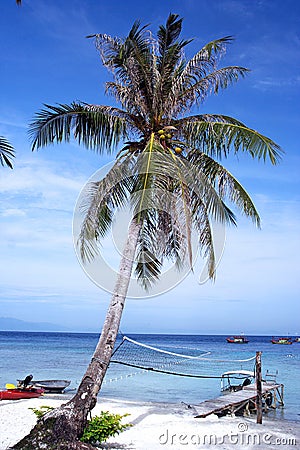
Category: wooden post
[258,388]
[274,399]
[282,402]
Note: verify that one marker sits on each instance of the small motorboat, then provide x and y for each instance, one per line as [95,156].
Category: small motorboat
[237,340]
[236,380]
[297,339]
[18,394]
[282,341]
[51,386]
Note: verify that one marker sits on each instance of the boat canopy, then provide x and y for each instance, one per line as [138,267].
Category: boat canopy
[247,373]
[238,376]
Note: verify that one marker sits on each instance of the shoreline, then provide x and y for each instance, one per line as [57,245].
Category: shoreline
[160,426]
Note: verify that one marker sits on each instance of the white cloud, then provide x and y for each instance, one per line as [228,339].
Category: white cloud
[271,83]
[13,212]
[35,177]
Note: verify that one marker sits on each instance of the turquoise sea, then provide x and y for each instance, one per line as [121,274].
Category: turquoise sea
[66,356]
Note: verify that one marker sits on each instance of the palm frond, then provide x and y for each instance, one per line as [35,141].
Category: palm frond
[203,63]
[170,236]
[218,135]
[169,46]
[96,127]
[196,91]
[170,53]
[99,201]
[186,212]
[130,60]
[148,266]
[199,184]
[7,153]
[167,35]
[202,224]
[115,51]
[172,183]
[226,184]
[143,190]
[132,101]
[205,60]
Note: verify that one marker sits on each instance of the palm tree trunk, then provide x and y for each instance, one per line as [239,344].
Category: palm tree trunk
[62,427]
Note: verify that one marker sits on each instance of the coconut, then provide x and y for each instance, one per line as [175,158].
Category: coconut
[178,150]
[160,131]
[162,136]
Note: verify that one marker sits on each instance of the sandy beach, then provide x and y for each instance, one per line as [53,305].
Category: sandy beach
[159,426]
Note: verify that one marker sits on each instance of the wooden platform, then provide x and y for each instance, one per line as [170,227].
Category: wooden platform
[234,401]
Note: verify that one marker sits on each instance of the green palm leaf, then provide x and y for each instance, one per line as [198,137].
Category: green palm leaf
[7,153]
[203,226]
[148,266]
[226,184]
[130,60]
[196,92]
[218,135]
[97,127]
[100,200]
[196,77]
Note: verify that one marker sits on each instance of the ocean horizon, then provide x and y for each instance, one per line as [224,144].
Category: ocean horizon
[65,355]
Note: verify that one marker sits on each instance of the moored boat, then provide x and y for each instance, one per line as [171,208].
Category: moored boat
[18,394]
[237,340]
[50,386]
[236,380]
[282,341]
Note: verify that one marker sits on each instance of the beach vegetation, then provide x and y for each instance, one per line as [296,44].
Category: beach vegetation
[158,92]
[101,427]
[41,411]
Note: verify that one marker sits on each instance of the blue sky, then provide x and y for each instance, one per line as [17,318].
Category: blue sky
[45,58]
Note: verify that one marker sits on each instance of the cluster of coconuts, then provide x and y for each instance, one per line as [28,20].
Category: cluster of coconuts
[165,134]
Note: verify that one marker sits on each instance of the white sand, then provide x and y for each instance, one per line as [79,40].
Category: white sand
[160,426]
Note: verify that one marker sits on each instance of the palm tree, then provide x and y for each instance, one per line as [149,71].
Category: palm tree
[169,170]
[7,152]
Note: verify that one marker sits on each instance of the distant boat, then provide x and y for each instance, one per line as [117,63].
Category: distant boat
[237,340]
[282,341]
[51,386]
[297,339]
[18,394]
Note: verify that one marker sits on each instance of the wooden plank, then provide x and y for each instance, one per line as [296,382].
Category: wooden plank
[231,400]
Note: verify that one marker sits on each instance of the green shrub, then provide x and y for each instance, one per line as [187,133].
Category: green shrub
[40,412]
[100,428]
